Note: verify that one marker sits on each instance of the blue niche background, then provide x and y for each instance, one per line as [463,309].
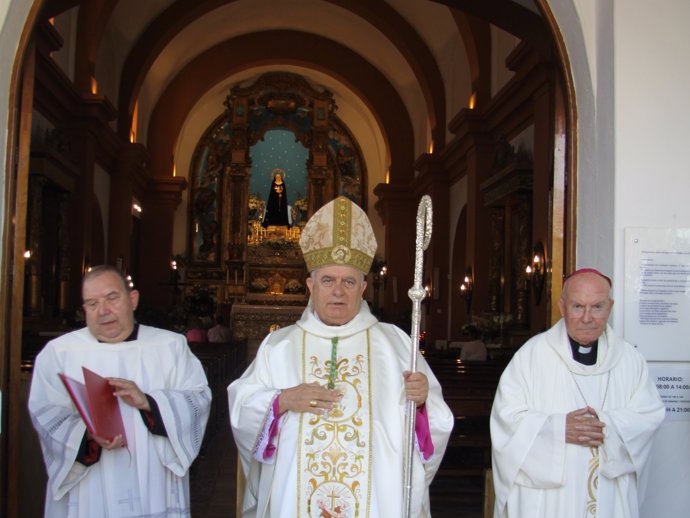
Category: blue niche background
[278,149]
[280,146]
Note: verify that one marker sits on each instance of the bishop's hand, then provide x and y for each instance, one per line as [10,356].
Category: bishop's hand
[583,427]
[308,397]
[416,387]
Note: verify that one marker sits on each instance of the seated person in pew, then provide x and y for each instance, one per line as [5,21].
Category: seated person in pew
[195,330]
[220,332]
[473,351]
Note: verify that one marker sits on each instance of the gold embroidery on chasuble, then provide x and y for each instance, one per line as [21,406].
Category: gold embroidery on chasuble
[334,449]
[593,462]
[592,483]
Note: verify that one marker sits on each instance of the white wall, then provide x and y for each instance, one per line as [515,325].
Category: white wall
[652,131]
[652,116]
[632,164]
[587,29]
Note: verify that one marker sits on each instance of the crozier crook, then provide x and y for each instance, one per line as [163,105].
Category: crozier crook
[417,294]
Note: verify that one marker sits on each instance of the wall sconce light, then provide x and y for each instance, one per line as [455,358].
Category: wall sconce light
[379,270]
[467,288]
[383,274]
[536,271]
[174,272]
[136,208]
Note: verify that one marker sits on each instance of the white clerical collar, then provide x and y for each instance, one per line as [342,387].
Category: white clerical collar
[316,316]
[311,323]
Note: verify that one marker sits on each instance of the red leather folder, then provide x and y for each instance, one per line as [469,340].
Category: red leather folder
[96,404]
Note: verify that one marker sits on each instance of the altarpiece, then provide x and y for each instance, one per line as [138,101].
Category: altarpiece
[247,207]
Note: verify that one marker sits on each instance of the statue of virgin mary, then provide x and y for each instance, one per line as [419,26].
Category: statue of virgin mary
[277,209]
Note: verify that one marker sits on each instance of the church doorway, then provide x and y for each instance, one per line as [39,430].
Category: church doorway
[560,230]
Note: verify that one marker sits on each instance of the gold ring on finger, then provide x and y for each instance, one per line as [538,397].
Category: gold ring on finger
[313,403]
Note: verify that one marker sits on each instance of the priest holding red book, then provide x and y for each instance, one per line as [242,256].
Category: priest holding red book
[164,401]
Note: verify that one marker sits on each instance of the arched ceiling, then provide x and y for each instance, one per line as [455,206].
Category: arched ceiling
[399,69]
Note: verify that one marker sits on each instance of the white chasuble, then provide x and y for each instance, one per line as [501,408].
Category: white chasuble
[536,473]
[349,463]
[334,449]
[583,469]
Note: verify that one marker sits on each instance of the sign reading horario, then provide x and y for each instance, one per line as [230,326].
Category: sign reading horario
[673,384]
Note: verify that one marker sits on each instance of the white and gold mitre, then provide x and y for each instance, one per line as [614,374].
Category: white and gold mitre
[339,233]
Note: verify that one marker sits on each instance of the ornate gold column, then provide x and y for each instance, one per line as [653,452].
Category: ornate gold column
[320,188]
[236,194]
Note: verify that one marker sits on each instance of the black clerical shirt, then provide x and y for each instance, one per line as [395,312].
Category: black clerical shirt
[584,354]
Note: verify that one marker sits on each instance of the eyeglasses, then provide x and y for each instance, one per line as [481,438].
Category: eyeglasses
[595,311]
[112,299]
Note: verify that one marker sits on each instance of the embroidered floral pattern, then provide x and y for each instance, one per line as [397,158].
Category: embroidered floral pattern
[335,448]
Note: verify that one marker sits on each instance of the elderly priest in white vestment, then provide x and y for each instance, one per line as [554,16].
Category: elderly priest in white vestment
[164,401]
[574,416]
[319,415]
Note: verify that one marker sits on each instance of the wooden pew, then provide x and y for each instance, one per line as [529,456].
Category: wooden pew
[222,362]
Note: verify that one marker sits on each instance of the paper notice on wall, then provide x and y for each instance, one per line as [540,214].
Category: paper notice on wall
[673,384]
[657,292]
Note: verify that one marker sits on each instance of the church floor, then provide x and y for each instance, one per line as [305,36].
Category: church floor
[213,479]
[213,485]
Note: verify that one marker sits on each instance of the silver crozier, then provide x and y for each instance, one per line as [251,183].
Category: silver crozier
[416,293]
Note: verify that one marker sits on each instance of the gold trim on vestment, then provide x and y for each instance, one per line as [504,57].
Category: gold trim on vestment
[334,450]
[593,463]
[592,482]
[371,421]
